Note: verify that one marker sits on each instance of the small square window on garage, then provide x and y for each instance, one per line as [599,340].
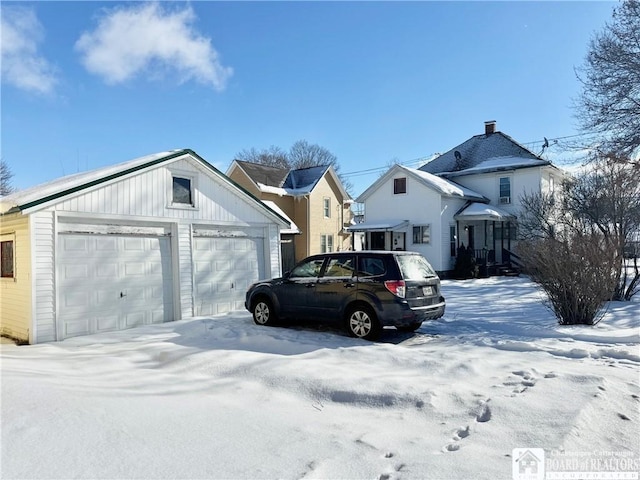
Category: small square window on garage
[6,253]
[182,193]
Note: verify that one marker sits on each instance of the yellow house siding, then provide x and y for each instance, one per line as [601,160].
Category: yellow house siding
[15,293]
[245,182]
[321,225]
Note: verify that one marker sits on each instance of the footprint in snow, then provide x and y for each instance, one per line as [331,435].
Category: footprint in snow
[485,413]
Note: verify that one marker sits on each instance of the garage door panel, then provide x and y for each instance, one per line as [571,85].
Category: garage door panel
[111,282]
[223,270]
[107,323]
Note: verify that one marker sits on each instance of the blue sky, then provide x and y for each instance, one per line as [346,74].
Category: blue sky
[90,84]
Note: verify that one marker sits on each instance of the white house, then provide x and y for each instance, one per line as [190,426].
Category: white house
[159,238]
[468,196]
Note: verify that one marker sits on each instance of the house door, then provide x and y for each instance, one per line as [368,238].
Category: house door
[287,248]
[377,240]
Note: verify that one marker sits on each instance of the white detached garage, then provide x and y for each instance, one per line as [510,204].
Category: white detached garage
[155,239]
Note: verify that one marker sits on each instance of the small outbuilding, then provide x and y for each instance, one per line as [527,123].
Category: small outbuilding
[156,239]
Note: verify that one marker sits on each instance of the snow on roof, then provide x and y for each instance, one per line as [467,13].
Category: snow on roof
[76,180]
[285,191]
[500,163]
[444,186]
[482,211]
[294,228]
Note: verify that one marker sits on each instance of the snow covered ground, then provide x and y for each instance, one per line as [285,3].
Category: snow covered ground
[223,398]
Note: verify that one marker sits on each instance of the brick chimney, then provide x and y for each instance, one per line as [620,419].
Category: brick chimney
[489,127]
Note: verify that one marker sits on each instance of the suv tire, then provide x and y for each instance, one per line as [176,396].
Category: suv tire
[361,322]
[263,312]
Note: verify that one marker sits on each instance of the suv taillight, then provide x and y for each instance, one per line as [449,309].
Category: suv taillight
[396,287]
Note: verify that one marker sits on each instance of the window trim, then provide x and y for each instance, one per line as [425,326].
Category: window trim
[326,243]
[193,182]
[326,207]
[505,199]
[10,239]
[400,182]
[424,228]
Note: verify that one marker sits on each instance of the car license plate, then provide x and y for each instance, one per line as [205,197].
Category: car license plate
[427,290]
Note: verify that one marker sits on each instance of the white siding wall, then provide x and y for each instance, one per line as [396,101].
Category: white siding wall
[185,270]
[488,184]
[43,244]
[421,206]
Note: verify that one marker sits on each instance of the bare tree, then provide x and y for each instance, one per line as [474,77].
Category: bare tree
[573,245]
[5,179]
[610,101]
[302,154]
[606,197]
[272,156]
[575,271]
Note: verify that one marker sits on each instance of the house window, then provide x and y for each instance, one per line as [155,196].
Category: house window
[552,184]
[182,193]
[452,240]
[399,185]
[326,206]
[422,234]
[505,190]
[6,253]
[326,243]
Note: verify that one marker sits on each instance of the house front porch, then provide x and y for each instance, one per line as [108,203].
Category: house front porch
[488,234]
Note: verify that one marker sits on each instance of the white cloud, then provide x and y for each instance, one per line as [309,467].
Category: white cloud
[148,39]
[22,65]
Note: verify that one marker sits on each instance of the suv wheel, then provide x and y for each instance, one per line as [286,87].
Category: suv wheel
[263,313]
[362,323]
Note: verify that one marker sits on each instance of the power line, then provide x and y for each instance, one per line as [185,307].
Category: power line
[419,160]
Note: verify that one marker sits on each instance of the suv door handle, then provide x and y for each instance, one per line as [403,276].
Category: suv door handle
[310,285]
[349,285]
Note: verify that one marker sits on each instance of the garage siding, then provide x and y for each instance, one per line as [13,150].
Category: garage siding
[43,231]
[185,271]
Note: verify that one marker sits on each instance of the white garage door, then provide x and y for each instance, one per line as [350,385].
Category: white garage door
[223,270]
[113,282]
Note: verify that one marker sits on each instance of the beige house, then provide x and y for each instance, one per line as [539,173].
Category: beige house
[313,199]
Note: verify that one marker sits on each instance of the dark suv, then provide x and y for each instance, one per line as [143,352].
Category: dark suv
[364,290]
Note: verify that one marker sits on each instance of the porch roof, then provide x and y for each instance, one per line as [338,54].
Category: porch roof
[378,226]
[483,211]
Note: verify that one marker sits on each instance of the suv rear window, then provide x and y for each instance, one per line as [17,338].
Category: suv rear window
[414,267]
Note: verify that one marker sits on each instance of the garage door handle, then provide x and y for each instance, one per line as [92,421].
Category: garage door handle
[122,294]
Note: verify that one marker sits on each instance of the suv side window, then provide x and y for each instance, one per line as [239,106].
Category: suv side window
[340,267]
[308,269]
[371,266]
